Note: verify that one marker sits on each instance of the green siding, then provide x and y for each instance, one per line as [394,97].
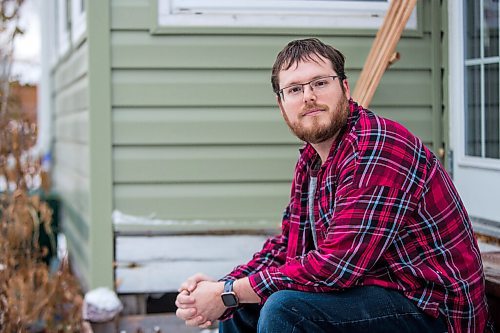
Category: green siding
[437,91]
[74,156]
[73,67]
[208,202]
[72,98]
[72,127]
[82,149]
[71,154]
[254,52]
[196,130]
[130,14]
[73,188]
[444,83]
[192,164]
[78,234]
[185,125]
[76,231]
[101,200]
[245,87]
[183,87]
[199,126]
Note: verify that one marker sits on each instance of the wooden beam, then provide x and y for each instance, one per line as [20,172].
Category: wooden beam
[383,50]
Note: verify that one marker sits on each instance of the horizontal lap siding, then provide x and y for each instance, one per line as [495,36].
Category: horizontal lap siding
[197,134]
[139,126]
[243,87]
[190,164]
[71,154]
[211,202]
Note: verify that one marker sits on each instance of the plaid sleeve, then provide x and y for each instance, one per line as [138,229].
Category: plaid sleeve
[363,224]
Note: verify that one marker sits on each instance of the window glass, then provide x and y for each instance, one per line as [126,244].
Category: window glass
[473,34]
[490,28]
[491,111]
[78,17]
[63,26]
[482,112]
[473,112]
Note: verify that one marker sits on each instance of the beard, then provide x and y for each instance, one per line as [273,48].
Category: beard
[318,131]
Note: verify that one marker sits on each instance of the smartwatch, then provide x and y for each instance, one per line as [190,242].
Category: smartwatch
[229,297]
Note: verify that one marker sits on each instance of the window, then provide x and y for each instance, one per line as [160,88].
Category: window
[275,13]
[49,31]
[482,121]
[63,27]
[78,19]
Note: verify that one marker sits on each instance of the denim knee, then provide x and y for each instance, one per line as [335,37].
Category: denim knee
[279,312]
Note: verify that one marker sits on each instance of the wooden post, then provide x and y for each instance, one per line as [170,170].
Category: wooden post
[382,52]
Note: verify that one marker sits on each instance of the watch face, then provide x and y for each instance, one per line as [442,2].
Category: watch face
[229,300]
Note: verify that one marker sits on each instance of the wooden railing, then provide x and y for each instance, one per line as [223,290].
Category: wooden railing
[383,52]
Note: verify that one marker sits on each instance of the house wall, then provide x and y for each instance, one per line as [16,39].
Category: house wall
[185,125]
[71,153]
[197,134]
[82,149]
[445,74]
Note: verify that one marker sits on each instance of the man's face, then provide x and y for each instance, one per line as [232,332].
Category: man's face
[316,115]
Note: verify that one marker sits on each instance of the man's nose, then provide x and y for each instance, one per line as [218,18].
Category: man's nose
[309,94]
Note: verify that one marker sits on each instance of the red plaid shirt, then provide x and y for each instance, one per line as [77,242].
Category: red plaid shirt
[386,214]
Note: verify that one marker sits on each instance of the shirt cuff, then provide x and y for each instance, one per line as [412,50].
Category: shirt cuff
[266,282]
[227,278]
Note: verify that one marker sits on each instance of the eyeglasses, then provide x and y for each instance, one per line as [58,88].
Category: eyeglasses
[296,91]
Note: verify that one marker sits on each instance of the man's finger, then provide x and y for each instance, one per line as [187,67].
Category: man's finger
[196,321]
[184,298]
[191,282]
[186,286]
[183,287]
[207,324]
[189,285]
[183,306]
[186,314]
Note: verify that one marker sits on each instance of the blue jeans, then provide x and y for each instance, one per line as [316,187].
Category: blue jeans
[361,309]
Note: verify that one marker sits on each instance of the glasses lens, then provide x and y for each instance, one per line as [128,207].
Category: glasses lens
[321,83]
[293,91]
[296,91]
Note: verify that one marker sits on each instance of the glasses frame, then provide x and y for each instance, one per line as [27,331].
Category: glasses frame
[280,92]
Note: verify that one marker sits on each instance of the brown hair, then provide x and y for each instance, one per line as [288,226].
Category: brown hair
[305,49]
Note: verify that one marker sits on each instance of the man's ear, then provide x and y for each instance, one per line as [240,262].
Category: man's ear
[347,90]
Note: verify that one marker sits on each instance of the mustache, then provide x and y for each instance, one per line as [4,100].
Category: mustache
[310,107]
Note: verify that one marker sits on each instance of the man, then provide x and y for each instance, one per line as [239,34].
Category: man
[374,239]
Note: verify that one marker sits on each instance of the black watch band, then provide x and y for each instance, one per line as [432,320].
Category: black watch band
[229,297]
[228,286]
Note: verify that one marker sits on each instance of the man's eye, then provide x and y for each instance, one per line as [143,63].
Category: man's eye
[294,90]
[320,83]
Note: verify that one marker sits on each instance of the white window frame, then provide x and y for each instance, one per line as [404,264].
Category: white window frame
[78,21]
[275,14]
[63,33]
[49,15]
[457,96]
